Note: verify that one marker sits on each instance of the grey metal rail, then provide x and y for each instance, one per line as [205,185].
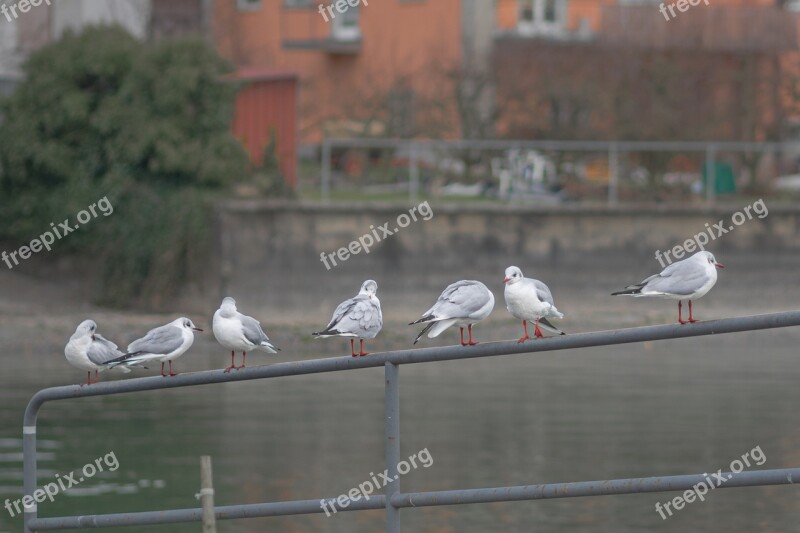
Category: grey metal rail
[393,500]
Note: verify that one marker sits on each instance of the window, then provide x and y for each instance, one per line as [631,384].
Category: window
[541,16]
[345,25]
[299,4]
[248,5]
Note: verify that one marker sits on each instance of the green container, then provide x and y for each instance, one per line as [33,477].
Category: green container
[725,183]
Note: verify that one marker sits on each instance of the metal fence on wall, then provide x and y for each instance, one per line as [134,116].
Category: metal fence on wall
[612,172]
[393,500]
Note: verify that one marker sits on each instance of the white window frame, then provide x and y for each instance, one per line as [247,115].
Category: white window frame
[346,26]
[539,25]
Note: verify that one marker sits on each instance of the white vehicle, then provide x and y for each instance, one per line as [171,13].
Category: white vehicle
[526,174]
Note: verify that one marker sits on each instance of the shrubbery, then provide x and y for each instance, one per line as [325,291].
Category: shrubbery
[148,125]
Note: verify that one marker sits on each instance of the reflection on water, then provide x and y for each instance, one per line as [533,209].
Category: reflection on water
[663,408]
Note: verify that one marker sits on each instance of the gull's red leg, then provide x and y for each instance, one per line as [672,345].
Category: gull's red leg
[462,337]
[680,316]
[171,373]
[96,377]
[526,336]
[353,348]
[361,348]
[537,332]
[691,318]
[162,370]
[244,356]
[471,342]
[88,377]
[232,364]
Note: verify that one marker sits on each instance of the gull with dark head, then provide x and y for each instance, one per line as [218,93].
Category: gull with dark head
[163,344]
[88,350]
[238,332]
[359,318]
[689,279]
[530,299]
[463,303]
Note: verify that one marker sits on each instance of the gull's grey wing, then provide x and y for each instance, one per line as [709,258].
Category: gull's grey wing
[460,300]
[542,291]
[678,278]
[363,316]
[342,310]
[162,340]
[252,330]
[102,350]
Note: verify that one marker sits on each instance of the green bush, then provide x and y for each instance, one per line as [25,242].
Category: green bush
[148,125]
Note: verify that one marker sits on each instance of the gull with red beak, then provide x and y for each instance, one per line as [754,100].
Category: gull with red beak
[163,344]
[530,299]
[238,332]
[359,318]
[689,279]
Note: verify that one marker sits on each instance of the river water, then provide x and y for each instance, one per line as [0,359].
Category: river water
[660,408]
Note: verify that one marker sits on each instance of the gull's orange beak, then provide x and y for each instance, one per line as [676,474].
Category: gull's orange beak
[719,265]
[506,280]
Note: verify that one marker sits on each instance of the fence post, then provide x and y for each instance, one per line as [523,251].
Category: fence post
[711,174]
[413,172]
[392,451]
[207,495]
[325,191]
[613,171]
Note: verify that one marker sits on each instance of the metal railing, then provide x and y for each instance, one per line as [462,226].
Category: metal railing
[613,150]
[393,499]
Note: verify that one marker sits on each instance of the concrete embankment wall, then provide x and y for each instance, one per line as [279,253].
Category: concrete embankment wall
[270,251]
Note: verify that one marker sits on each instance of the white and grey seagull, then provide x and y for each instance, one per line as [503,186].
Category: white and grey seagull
[530,299]
[359,317]
[88,350]
[163,344]
[463,303]
[239,332]
[689,279]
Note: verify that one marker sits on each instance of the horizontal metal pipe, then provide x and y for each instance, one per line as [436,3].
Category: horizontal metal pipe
[424,355]
[599,146]
[783,476]
[228,512]
[581,340]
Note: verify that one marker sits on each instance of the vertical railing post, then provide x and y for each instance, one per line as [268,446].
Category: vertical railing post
[711,174]
[413,172]
[28,472]
[207,495]
[613,174]
[325,191]
[392,444]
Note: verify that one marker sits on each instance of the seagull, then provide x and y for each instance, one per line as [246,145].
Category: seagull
[530,299]
[239,332]
[359,317]
[89,351]
[689,280]
[162,344]
[462,303]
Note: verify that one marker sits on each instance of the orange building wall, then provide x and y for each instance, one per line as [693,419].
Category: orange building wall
[400,40]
